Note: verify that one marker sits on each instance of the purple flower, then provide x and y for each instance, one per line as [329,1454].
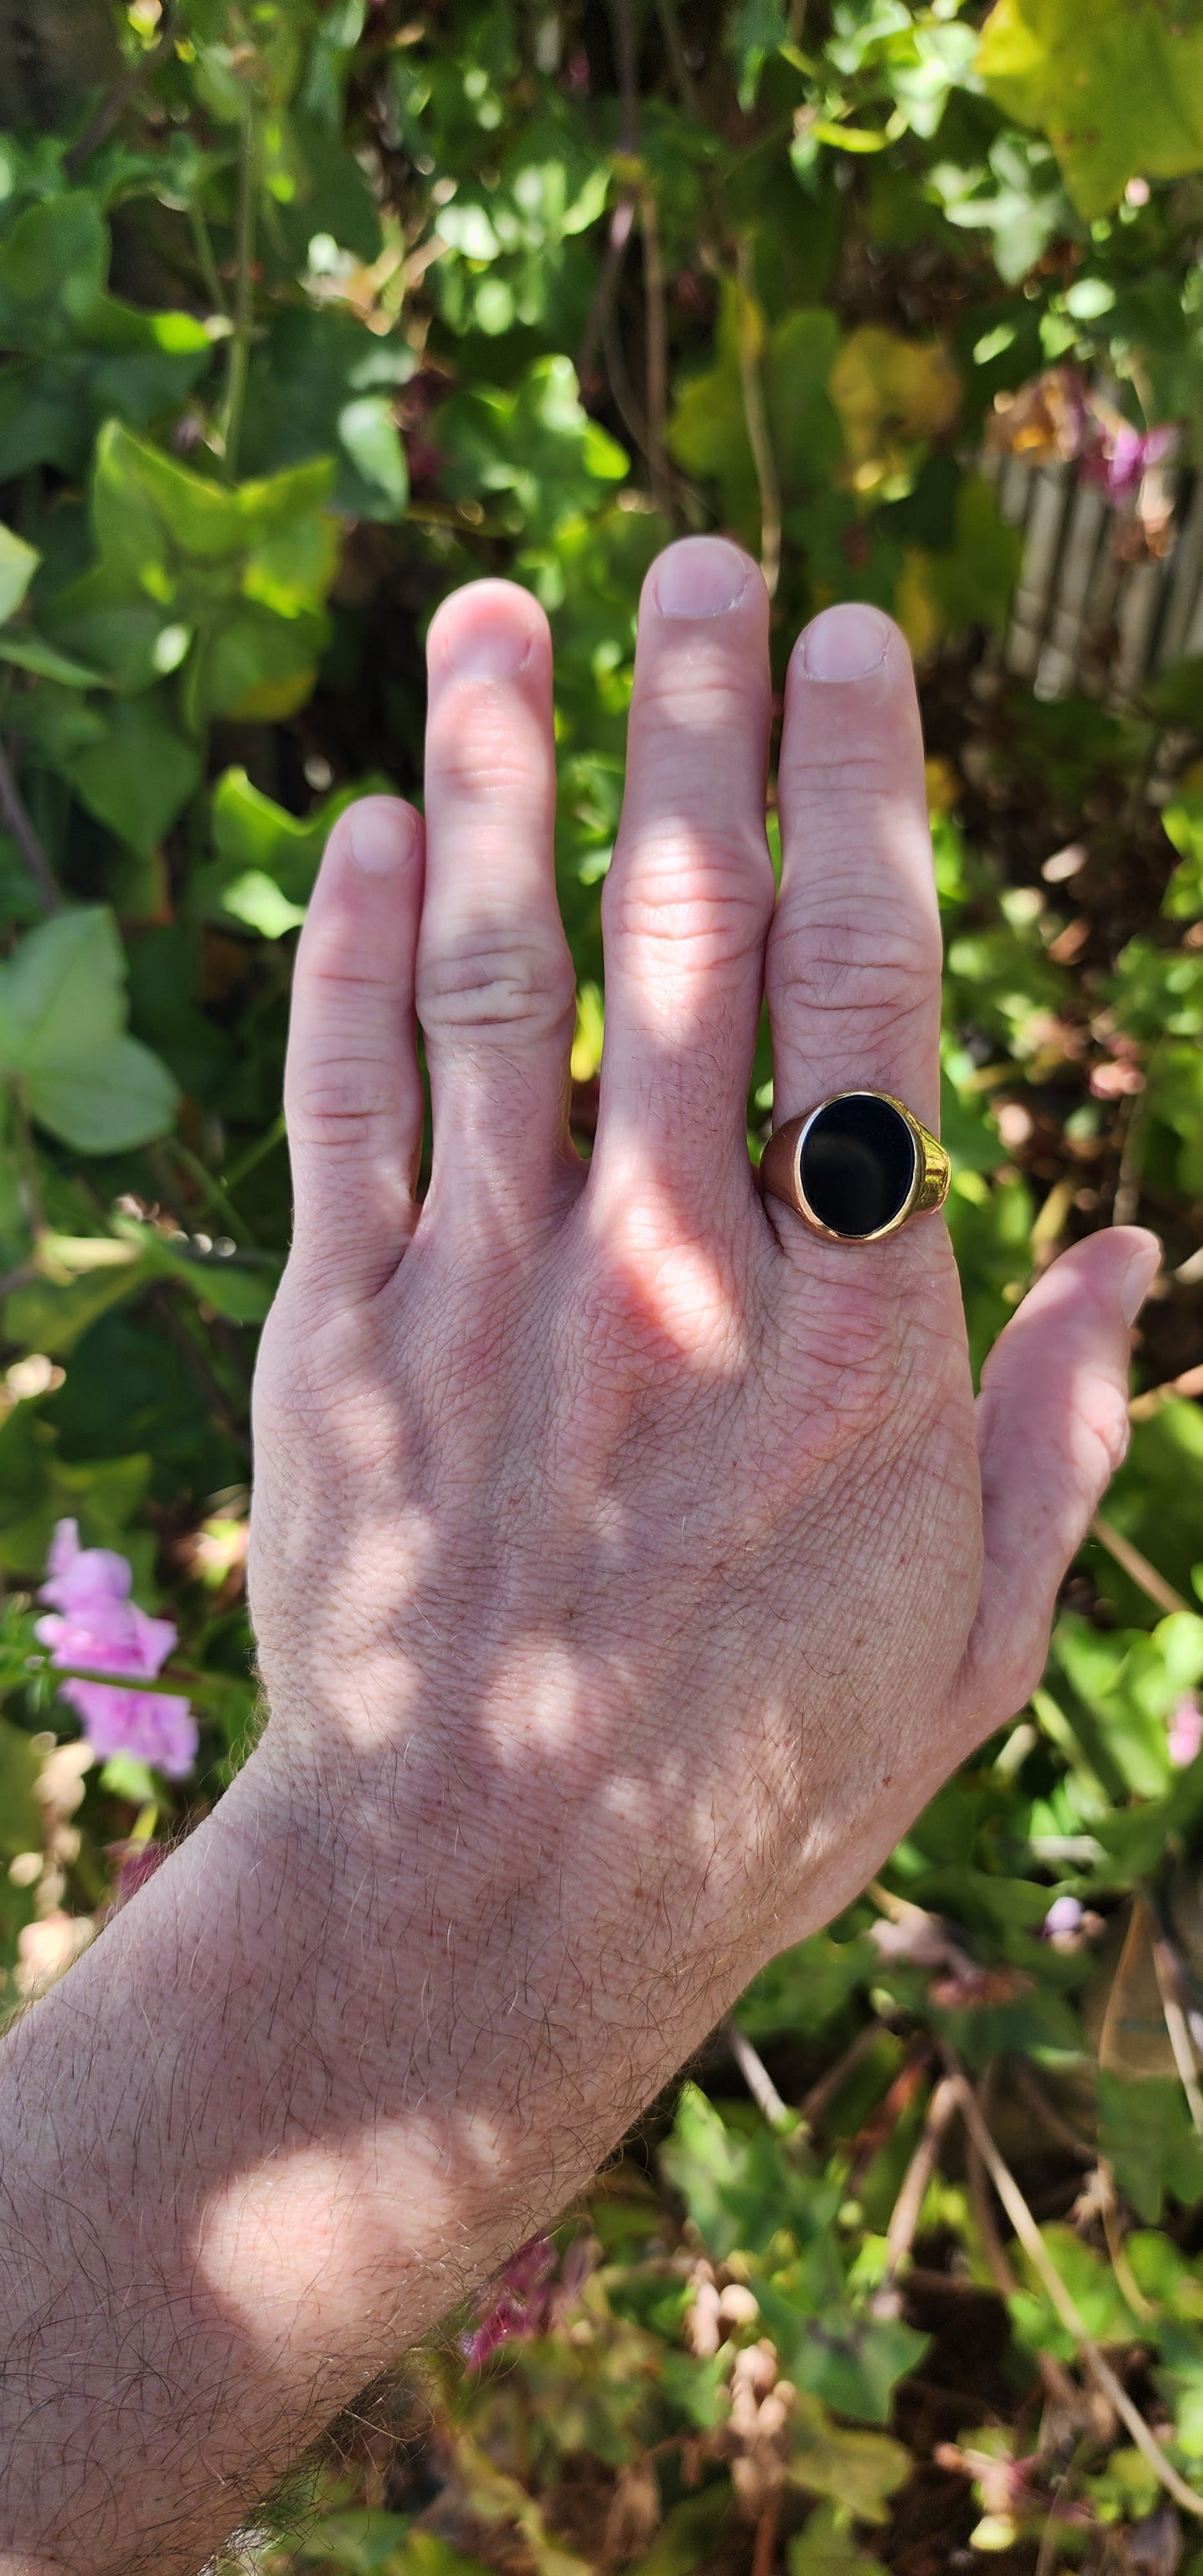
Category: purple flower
[94,1623]
[1064,1915]
[1185,1732]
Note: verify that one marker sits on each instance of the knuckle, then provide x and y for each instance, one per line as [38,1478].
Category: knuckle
[330,1099]
[711,893]
[501,981]
[868,958]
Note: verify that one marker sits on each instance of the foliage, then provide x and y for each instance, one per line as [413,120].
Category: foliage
[319,310]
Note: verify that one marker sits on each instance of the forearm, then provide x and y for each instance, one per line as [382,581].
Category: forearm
[300,2095]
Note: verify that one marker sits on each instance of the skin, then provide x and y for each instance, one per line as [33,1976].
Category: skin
[628,1567]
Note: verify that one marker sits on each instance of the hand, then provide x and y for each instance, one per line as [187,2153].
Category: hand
[616,1539]
[623,1569]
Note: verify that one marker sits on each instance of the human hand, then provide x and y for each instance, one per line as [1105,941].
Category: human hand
[619,1546]
[623,1570]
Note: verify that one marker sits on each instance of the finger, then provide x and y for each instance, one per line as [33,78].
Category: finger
[853,966]
[1052,1429]
[352,1089]
[496,993]
[690,888]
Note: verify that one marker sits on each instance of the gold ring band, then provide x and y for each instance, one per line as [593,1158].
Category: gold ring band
[856,1167]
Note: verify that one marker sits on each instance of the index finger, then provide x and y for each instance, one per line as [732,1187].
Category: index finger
[853,966]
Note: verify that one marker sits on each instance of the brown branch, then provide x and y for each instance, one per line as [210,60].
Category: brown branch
[1061,2300]
[1136,1566]
[16,815]
[764,2547]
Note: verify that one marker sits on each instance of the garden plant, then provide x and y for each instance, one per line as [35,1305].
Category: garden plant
[309,314]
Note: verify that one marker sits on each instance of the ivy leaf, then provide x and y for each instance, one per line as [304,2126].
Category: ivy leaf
[856,2470]
[1118,88]
[18,564]
[78,353]
[62,1030]
[534,452]
[759,29]
[139,775]
[1146,2134]
[322,384]
[827,2548]
[228,580]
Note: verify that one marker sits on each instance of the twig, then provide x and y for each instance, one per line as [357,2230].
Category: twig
[908,2206]
[16,815]
[244,295]
[1066,2307]
[1127,1183]
[759,2082]
[114,105]
[624,395]
[1166,1968]
[814,2103]
[1020,2074]
[206,262]
[666,12]
[764,2547]
[1136,1566]
[656,344]
[594,334]
[1116,2248]
[756,422]
[1143,1407]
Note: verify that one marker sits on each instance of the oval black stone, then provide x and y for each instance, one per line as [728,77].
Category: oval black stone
[858,1164]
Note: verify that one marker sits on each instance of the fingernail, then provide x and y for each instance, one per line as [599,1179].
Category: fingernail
[1138,1278]
[487,643]
[700,577]
[846,642]
[381,835]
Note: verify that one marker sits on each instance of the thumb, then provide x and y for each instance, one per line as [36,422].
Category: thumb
[1052,1423]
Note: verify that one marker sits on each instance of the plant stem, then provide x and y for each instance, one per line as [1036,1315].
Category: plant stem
[759,2082]
[1066,2307]
[112,108]
[1136,1566]
[244,296]
[756,423]
[206,262]
[16,815]
[656,348]
[908,2207]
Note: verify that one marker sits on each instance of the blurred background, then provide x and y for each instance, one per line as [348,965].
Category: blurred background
[307,315]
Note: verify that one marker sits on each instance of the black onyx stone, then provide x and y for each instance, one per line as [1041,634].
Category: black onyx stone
[858,1164]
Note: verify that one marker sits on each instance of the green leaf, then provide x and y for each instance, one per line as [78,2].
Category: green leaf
[140,775]
[1146,2134]
[1182,819]
[62,1013]
[533,453]
[18,564]
[827,2548]
[1118,88]
[859,2471]
[78,354]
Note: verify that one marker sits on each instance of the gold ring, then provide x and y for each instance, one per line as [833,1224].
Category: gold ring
[856,1168]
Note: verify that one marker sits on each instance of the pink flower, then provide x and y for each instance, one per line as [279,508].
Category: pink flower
[516,2305]
[1064,1915]
[1119,456]
[94,1623]
[1185,1733]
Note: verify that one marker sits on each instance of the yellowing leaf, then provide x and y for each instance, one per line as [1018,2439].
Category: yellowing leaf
[890,394]
[1117,88]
